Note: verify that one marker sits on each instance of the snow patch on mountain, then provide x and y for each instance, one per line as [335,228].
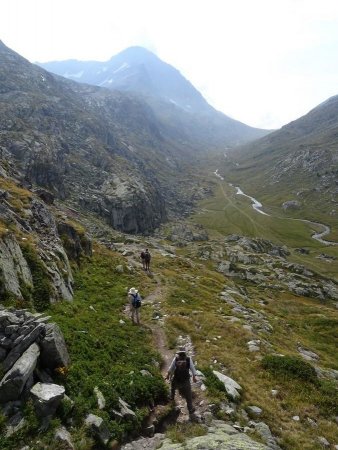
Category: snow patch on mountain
[122,67]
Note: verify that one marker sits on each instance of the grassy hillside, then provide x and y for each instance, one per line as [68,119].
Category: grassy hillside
[106,351]
[227,212]
[298,162]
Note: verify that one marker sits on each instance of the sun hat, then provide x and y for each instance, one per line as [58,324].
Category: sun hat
[181,351]
[133,291]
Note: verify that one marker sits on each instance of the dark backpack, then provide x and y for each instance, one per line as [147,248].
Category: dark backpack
[182,367]
[136,300]
[143,255]
[147,257]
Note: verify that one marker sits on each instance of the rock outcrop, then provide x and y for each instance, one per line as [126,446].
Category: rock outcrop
[14,269]
[34,247]
[264,264]
[218,435]
[30,350]
[128,204]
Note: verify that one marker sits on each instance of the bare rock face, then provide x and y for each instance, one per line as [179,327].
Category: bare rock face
[128,204]
[13,383]
[13,267]
[53,348]
[29,348]
[76,244]
[23,344]
[19,258]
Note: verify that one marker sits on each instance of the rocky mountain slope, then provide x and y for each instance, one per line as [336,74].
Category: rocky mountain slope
[259,328]
[97,148]
[180,108]
[78,163]
[101,150]
[296,165]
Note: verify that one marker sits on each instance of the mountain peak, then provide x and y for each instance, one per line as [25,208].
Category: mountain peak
[141,72]
[136,50]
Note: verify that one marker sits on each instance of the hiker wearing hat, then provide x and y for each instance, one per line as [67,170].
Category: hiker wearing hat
[179,375]
[135,304]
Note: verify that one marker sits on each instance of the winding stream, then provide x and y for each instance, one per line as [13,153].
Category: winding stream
[316,235]
[256,205]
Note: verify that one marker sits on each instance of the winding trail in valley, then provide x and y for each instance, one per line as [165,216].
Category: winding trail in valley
[256,205]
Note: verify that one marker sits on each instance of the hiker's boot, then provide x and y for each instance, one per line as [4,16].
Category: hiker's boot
[194,417]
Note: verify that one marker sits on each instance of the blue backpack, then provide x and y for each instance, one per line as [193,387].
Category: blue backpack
[136,300]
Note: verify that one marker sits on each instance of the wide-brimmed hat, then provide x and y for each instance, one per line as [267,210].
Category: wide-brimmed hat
[133,291]
[181,351]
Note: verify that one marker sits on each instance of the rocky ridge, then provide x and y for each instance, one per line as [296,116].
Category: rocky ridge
[34,242]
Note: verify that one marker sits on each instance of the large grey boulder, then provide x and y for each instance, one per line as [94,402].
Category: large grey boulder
[47,397]
[232,388]
[98,427]
[18,350]
[259,245]
[291,204]
[265,433]
[54,352]
[254,411]
[63,436]
[13,383]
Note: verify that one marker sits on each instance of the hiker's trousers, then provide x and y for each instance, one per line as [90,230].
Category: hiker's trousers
[135,314]
[184,388]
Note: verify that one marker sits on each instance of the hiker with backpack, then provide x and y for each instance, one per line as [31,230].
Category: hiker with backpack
[147,258]
[179,375]
[143,260]
[135,304]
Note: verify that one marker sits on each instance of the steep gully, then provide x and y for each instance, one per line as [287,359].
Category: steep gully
[256,205]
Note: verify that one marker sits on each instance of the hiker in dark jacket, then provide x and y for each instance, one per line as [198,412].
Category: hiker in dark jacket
[143,260]
[179,375]
[147,258]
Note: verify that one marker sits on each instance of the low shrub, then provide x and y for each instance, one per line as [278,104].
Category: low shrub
[326,398]
[290,367]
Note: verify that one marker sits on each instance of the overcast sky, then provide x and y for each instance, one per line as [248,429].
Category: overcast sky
[263,62]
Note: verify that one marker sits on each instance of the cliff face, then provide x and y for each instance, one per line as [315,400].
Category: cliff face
[130,204]
[34,265]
